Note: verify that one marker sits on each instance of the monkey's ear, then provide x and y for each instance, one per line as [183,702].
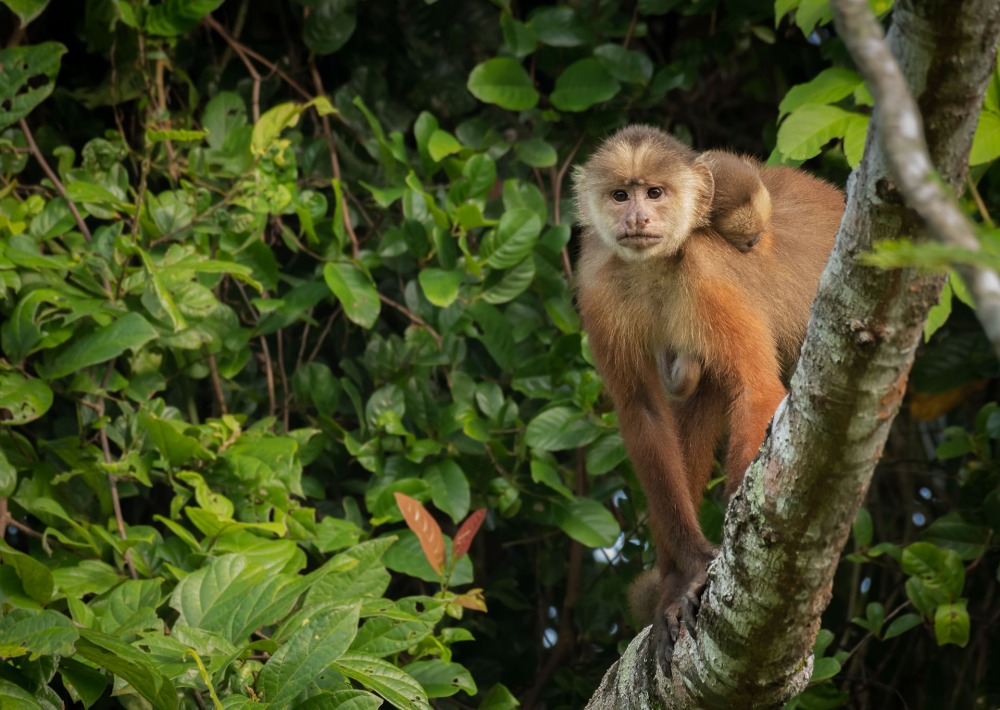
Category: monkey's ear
[704,189]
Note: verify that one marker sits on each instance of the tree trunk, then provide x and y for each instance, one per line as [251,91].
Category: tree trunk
[789,521]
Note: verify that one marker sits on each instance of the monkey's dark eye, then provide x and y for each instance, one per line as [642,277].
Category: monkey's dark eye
[619,196]
[654,193]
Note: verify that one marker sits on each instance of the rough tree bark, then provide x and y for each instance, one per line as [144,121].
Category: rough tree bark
[788,523]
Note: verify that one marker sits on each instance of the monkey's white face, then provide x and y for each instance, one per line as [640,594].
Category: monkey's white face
[642,219]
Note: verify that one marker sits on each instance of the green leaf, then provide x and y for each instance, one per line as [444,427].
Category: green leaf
[400,689]
[440,286]
[130,332]
[39,633]
[14,697]
[329,24]
[515,237]
[499,697]
[36,578]
[504,82]
[605,453]
[901,624]
[26,10]
[584,83]
[337,700]
[828,87]
[495,333]
[951,623]
[129,664]
[440,679]
[321,640]
[23,400]
[811,13]
[824,669]
[449,488]
[536,153]
[355,291]
[233,597]
[587,521]
[862,529]
[808,129]
[560,428]
[854,139]
[88,683]
[511,284]
[547,475]
[626,65]
[986,142]
[8,477]
[27,79]
[442,144]
[951,532]
[173,19]
[358,573]
[559,27]
[521,38]
[270,125]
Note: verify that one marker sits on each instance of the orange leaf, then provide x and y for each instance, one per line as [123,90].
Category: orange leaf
[472,599]
[426,529]
[466,533]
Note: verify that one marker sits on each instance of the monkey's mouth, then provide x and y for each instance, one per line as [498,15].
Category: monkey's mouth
[639,240]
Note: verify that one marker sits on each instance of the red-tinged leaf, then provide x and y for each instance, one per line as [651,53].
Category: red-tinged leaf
[463,538]
[426,529]
[472,599]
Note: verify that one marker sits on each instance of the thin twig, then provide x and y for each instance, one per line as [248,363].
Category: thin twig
[55,180]
[220,396]
[978,199]
[116,503]
[286,400]
[412,316]
[334,161]
[323,333]
[243,51]
[557,178]
[901,133]
[631,26]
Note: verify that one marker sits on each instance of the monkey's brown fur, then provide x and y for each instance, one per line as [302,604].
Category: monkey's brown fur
[656,282]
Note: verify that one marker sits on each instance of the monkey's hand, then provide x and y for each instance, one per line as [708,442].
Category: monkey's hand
[679,604]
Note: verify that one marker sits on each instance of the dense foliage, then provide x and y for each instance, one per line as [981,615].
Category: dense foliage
[274,274]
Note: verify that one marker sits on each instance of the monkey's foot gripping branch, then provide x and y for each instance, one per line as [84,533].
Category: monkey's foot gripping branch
[682,609]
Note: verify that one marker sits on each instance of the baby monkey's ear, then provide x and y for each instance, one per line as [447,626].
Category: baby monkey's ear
[703,189]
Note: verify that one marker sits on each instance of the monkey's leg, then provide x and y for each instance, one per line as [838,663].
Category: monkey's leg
[746,357]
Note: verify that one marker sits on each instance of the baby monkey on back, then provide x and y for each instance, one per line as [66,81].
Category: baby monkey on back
[695,280]
[740,213]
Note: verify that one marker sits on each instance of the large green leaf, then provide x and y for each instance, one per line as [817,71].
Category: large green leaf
[322,639]
[587,521]
[515,238]
[129,664]
[986,142]
[27,78]
[26,10]
[329,24]
[808,129]
[234,597]
[625,64]
[23,400]
[39,633]
[449,488]
[560,428]
[130,332]
[401,690]
[584,83]
[355,291]
[827,87]
[504,82]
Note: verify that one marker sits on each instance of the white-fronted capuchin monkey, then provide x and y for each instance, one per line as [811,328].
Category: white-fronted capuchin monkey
[658,288]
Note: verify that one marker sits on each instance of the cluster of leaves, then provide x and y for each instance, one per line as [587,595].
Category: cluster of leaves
[251,328]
